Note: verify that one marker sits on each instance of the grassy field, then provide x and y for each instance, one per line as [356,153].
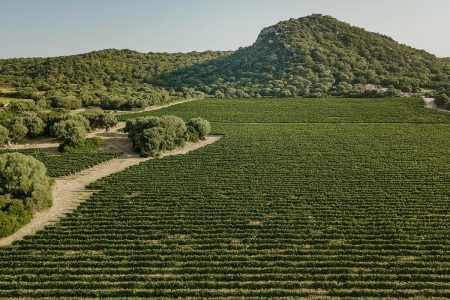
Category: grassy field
[320,197]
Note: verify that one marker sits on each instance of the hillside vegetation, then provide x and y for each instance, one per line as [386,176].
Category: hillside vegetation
[313,56]
[111,79]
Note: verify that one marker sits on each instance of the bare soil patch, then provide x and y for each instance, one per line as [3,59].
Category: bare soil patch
[429,103]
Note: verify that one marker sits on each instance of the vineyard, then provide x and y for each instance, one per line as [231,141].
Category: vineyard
[320,198]
[63,164]
[337,110]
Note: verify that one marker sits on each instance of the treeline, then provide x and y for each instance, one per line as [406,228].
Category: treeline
[24,190]
[25,119]
[110,79]
[152,135]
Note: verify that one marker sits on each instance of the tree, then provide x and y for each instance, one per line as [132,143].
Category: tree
[13,215]
[75,136]
[79,119]
[24,177]
[199,126]
[18,106]
[64,128]
[106,120]
[138,125]
[174,132]
[151,135]
[99,119]
[17,131]
[442,99]
[4,133]
[72,133]
[69,102]
[148,143]
[35,126]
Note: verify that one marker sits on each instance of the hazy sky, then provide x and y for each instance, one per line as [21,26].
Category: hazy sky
[61,27]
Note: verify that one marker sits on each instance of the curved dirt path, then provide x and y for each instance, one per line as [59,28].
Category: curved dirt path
[69,191]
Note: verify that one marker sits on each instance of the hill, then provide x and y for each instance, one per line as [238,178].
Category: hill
[314,56]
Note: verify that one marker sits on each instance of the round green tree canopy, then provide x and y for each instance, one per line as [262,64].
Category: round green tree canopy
[24,177]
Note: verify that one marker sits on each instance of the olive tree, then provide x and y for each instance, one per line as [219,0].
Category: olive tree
[24,177]
[72,133]
[151,135]
[99,119]
[197,128]
[148,143]
[67,129]
[17,131]
[4,132]
[174,132]
[35,126]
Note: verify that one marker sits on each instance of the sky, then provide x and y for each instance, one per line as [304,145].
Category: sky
[30,28]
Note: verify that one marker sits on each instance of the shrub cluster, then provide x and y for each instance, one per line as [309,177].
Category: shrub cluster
[20,120]
[151,135]
[24,189]
[442,98]
[99,119]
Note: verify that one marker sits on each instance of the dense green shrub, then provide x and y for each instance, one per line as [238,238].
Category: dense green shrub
[24,177]
[100,119]
[86,145]
[79,119]
[70,129]
[17,131]
[72,132]
[52,117]
[4,133]
[442,99]
[197,128]
[174,132]
[24,189]
[18,106]
[13,215]
[151,135]
[68,102]
[138,125]
[149,142]
[35,126]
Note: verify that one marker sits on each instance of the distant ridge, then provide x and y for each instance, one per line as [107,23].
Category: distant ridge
[313,56]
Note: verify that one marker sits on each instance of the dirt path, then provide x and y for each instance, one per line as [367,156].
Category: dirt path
[148,108]
[156,106]
[69,191]
[429,103]
[115,141]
